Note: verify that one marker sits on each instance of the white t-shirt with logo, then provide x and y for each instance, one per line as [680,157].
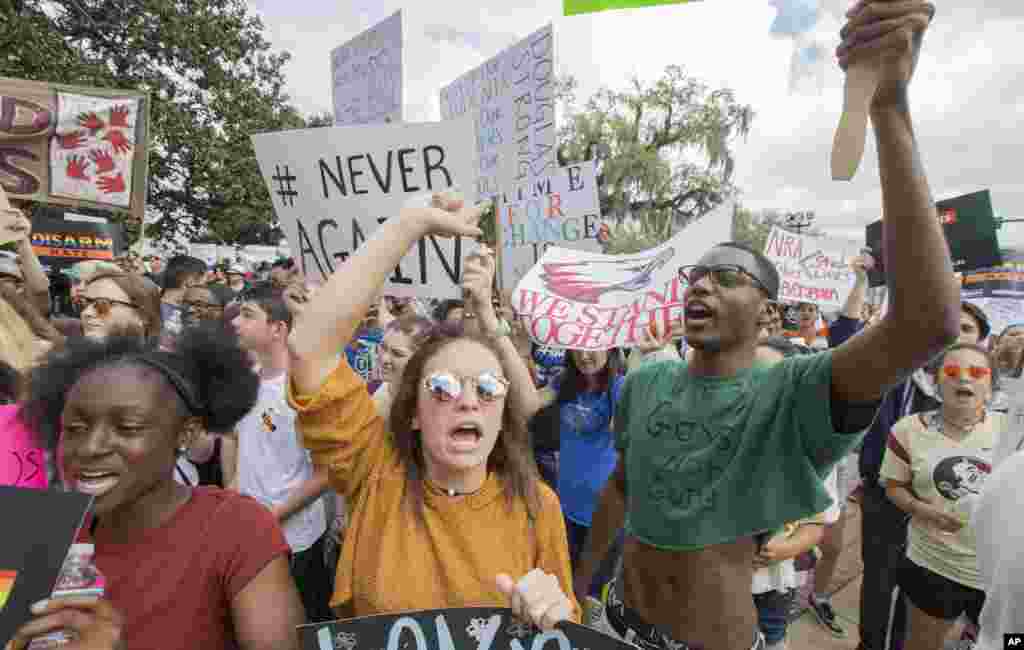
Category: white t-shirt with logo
[272,462]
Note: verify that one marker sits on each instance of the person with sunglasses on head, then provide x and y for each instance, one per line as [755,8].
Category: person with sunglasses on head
[447,509]
[717,450]
[935,469]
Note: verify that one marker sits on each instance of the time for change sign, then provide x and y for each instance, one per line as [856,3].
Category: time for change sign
[333,187]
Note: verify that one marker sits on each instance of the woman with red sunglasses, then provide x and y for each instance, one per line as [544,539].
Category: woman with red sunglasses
[934,470]
[447,507]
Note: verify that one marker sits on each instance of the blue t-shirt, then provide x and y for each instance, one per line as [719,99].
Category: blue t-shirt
[362,356]
[587,454]
[548,363]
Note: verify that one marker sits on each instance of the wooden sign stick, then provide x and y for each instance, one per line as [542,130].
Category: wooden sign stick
[848,147]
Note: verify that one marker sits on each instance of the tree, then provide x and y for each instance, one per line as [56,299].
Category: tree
[669,158]
[213,82]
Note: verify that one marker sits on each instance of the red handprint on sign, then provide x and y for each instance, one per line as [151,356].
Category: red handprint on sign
[71,140]
[77,166]
[111,184]
[119,116]
[104,161]
[118,140]
[91,121]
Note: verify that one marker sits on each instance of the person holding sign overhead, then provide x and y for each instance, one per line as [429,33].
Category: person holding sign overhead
[447,507]
[719,449]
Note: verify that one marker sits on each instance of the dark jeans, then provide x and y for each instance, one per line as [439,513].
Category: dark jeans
[773,613]
[313,582]
[883,609]
[606,571]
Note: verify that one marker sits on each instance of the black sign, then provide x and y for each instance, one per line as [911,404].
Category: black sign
[476,628]
[41,524]
[970,229]
[60,242]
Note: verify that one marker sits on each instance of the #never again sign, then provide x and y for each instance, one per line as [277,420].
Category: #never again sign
[332,187]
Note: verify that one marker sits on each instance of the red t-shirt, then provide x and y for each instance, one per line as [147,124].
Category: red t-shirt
[174,584]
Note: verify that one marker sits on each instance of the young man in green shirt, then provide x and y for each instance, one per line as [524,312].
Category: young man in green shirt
[717,450]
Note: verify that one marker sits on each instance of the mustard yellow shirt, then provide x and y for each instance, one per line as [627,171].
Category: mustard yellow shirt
[390,560]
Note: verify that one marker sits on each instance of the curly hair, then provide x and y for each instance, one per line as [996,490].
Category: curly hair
[212,377]
[512,457]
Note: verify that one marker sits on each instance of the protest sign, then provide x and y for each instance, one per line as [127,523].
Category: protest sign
[332,187]
[14,225]
[22,461]
[73,145]
[580,300]
[999,293]
[812,269]
[63,242]
[510,100]
[561,209]
[576,7]
[470,628]
[31,559]
[970,228]
[366,75]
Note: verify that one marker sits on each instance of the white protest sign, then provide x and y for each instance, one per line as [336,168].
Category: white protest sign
[511,99]
[332,187]
[366,75]
[812,269]
[562,209]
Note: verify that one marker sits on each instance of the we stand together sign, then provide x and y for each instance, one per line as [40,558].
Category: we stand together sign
[477,628]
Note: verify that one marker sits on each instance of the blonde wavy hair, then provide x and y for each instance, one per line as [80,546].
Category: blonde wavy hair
[25,335]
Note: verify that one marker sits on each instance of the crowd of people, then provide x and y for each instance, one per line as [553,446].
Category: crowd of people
[250,476]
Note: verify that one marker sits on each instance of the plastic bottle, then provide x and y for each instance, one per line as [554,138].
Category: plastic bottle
[79,576]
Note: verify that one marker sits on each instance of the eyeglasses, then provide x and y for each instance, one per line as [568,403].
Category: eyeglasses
[201,306]
[103,305]
[953,371]
[447,387]
[726,276]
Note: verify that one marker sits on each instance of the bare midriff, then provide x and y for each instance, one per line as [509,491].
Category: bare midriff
[698,597]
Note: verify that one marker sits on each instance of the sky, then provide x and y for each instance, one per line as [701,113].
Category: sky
[967,95]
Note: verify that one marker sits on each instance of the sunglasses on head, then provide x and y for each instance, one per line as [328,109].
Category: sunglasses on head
[103,305]
[727,276]
[448,387]
[954,371]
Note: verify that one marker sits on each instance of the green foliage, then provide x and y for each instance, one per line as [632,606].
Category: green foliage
[213,81]
[669,150]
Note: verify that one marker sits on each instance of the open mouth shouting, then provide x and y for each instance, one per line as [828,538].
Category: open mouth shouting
[466,437]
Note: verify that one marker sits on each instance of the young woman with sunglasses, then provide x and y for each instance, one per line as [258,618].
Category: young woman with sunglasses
[447,509]
[117,301]
[934,469]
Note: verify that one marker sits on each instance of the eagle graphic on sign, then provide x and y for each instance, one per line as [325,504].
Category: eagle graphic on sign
[588,280]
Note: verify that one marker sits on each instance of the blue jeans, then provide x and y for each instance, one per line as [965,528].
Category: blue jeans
[772,610]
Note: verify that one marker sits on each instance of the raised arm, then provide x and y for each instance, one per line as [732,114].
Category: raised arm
[924,297]
[330,319]
[478,280]
[855,301]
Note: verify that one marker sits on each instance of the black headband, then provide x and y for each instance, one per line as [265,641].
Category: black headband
[181,385]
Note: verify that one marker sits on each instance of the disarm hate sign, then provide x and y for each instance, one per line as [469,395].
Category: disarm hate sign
[332,187]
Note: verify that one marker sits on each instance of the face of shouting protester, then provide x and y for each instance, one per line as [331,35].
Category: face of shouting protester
[392,355]
[723,306]
[119,440]
[965,380]
[106,307]
[459,433]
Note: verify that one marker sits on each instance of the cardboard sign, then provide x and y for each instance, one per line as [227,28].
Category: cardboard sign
[970,228]
[333,187]
[511,102]
[812,269]
[366,75]
[30,561]
[562,209]
[60,242]
[74,145]
[22,461]
[999,293]
[476,628]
